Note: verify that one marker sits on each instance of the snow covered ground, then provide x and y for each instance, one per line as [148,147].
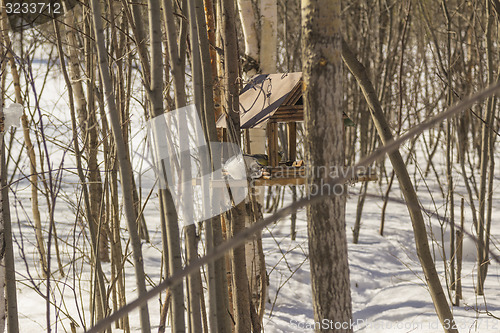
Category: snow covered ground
[387,286]
[387,283]
[388,293]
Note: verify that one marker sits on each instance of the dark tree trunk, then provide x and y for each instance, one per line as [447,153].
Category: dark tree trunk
[322,68]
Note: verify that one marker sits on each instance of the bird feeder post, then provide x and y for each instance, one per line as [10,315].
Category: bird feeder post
[272,134]
[292,141]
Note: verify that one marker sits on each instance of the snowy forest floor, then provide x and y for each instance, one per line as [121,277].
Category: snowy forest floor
[387,287]
[387,283]
[388,292]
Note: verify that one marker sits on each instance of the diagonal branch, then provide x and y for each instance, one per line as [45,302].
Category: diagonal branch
[419,230]
[245,234]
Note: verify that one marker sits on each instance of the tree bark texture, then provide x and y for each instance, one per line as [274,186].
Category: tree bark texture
[123,162]
[268,33]
[249,29]
[6,250]
[322,75]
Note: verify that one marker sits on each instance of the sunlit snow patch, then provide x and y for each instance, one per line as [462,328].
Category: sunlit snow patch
[181,160]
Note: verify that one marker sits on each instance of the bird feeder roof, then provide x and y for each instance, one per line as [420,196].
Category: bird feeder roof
[275,97]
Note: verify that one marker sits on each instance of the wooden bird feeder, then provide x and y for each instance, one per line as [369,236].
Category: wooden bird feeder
[270,99]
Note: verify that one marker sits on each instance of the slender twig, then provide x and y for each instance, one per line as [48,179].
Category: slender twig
[294,207]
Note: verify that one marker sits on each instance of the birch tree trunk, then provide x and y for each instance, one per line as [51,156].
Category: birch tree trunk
[222,267]
[174,258]
[268,33]
[194,280]
[123,162]
[249,28]
[3,217]
[482,250]
[88,125]
[3,313]
[257,60]
[217,283]
[4,26]
[241,300]
[322,75]
[6,250]
[266,63]
[100,290]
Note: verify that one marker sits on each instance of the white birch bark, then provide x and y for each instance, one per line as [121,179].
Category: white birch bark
[8,276]
[2,262]
[251,37]
[125,167]
[268,33]
[268,56]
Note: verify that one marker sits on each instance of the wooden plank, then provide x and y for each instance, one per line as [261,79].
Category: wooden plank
[288,119]
[285,172]
[279,181]
[222,183]
[269,180]
[297,93]
[246,134]
[288,114]
[292,141]
[289,111]
[294,94]
[289,108]
[284,168]
[364,178]
[273,144]
[301,180]
[284,175]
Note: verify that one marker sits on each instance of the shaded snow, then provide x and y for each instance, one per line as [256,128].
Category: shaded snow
[388,293]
